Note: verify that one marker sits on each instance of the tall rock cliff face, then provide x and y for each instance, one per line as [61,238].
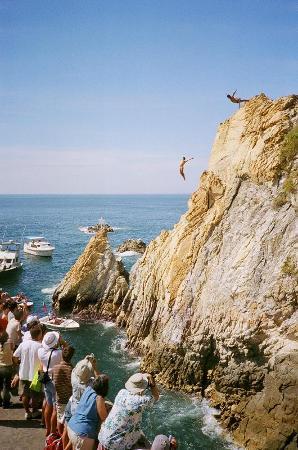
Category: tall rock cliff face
[212,304]
[96,284]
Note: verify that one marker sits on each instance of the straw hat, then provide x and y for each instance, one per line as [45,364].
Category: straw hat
[137,383]
[161,442]
[50,340]
[83,371]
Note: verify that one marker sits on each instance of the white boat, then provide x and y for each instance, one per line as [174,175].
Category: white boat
[38,246]
[59,323]
[9,256]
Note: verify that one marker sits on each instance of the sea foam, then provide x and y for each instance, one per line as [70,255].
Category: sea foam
[128,253]
[49,290]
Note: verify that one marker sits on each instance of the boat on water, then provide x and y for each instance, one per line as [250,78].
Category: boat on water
[59,323]
[10,256]
[38,246]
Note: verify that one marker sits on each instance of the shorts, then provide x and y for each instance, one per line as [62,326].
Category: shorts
[24,389]
[50,393]
[60,408]
[80,442]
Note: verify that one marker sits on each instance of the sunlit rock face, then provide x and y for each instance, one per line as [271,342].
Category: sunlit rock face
[210,306]
[97,283]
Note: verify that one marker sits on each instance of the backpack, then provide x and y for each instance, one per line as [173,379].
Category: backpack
[53,442]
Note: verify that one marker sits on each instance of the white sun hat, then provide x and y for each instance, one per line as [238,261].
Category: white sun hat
[50,340]
[31,319]
[137,383]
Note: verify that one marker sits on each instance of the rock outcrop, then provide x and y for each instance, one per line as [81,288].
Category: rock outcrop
[97,283]
[212,305]
[132,245]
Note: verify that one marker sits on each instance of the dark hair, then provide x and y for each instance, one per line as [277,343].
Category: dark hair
[18,314]
[12,305]
[32,324]
[6,304]
[183,157]
[67,353]
[3,338]
[43,328]
[101,385]
[35,331]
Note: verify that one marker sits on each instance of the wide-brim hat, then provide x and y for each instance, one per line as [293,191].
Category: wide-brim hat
[83,371]
[161,442]
[50,340]
[137,383]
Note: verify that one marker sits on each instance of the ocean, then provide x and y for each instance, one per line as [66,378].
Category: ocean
[58,218]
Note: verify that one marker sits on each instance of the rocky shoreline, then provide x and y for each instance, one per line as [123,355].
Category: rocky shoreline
[212,304]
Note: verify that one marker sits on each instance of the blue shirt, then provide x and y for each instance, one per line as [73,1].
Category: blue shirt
[85,421]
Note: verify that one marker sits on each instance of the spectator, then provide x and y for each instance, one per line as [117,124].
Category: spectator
[82,376]
[91,412]
[13,306]
[6,368]
[62,382]
[122,429]
[31,322]
[50,355]
[27,355]
[14,328]
[4,314]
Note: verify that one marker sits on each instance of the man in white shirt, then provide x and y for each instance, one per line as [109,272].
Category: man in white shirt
[13,328]
[27,355]
[31,322]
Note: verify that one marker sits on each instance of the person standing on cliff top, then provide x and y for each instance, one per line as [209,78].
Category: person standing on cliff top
[181,166]
[234,99]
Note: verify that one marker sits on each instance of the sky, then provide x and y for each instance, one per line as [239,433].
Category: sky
[105,97]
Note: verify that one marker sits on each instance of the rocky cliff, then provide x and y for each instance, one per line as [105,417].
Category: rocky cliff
[212,305]
[96,284]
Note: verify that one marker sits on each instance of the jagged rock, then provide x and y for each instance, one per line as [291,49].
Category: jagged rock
[210,302]
[100,227]
[132,245]
[96,283]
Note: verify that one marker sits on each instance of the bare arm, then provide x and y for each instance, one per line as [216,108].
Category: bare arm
[153,387]
[62,342]
[189,159]
[94,365]
[101,408]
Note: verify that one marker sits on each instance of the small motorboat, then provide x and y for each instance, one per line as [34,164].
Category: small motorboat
[59,323]
[38,246]
[10,256]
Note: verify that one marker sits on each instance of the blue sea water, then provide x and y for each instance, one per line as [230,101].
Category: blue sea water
[143,216]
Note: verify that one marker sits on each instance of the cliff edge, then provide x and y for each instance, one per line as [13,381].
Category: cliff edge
[212,304]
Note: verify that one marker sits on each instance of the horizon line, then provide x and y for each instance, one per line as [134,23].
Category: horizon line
[53,193]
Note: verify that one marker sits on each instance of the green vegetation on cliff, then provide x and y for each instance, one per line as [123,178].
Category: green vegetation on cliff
[287,155]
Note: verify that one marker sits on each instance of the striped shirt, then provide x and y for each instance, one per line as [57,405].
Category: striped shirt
[62,381]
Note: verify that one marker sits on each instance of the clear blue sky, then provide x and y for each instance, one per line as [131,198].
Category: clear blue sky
[106,96]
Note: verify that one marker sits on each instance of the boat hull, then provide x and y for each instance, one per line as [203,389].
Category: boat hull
[67,325]
[38,252]
[11,269]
